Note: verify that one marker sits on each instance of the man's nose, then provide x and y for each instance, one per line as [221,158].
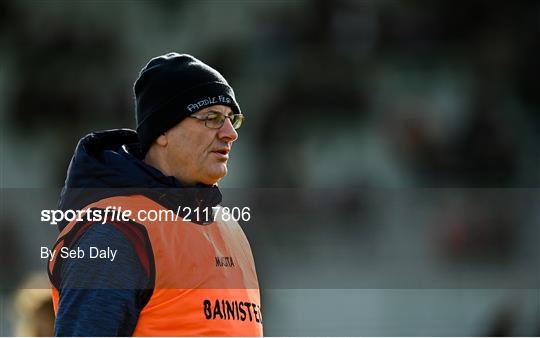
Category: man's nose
[227,131]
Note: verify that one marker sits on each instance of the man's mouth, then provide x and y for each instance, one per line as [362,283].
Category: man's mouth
[222,152]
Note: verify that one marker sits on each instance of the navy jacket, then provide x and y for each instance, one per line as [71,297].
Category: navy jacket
[99,297]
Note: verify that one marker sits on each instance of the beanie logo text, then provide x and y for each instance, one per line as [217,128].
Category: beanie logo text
[193,107]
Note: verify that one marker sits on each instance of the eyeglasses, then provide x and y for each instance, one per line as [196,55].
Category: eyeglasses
[216,121]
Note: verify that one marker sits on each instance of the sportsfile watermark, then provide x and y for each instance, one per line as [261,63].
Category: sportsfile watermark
[325,238]
[121,214]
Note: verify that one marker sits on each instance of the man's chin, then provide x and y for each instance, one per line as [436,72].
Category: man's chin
[215,176]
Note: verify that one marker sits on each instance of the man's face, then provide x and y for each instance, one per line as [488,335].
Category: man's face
[198,154]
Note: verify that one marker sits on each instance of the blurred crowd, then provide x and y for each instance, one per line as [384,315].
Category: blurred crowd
[354,96]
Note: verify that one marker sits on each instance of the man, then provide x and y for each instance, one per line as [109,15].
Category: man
[164,277]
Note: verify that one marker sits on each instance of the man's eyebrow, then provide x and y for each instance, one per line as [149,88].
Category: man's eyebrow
[211,111]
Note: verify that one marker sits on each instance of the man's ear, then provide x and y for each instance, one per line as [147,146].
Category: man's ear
[162,140]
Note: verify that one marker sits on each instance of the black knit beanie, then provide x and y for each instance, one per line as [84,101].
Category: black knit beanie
[170,88]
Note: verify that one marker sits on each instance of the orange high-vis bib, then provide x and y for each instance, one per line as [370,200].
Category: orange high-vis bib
[205,283]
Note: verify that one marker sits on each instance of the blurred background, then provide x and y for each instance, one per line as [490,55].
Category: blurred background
[390,151]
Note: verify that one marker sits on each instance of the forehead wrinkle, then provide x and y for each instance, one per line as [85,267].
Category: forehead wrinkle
[221,110]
